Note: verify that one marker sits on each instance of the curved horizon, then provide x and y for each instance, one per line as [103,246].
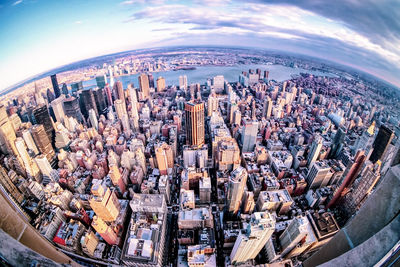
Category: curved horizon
[359,34]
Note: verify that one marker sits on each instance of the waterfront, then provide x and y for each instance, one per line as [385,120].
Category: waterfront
[202,73]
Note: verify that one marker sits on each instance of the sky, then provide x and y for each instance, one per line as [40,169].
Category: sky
[39,35]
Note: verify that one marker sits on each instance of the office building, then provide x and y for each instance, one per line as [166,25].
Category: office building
[120,108]
[87,102]
[72,109]
[105,206]
[160,84]
[42,141]
[101,81]
[194,113]
[267,108]
[30,143]
[93,119]
[56,87]
[319,175]
[183,83]
[119,89]
[100,101]
[42,117]
[293,234]
[75,87]
[381,143]
[105,231]
[315,149]
[164,157]
[212,104]
[279,201]
[237,183]
[144,85]
[58,108]
[151,80]
[253,237]
[249,135]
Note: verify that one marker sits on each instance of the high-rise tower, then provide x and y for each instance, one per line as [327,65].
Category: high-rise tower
[56,87]
[144,85]
[237,183]
[381,143]
[194,111]
[253,238]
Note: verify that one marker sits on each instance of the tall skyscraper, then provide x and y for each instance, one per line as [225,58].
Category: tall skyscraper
[104,204]
[42,117]
[314,150]
[120,108]
[144,85]
[58,108]
[267,109]
[134,110]
[151,80]
[87,102]
[212,104]
[194,111]
[100,101]
[93,119]
[165,159]
[293,234]
[27,136]
[249,135]
[105,231]
[75,87]
[71,108]
[118,87]
[160,84]
[318,175]
[381,143]
[369,176]
[42,141]
[64,89]
[237,183]
[56,87]
[183,83]
[253,238]
[7,133]
[101,81]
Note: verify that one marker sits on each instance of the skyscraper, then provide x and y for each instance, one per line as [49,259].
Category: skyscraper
[120,108]
[293,234]
[318,175]
[71,108]
[104,204]
[42,117]
[249,135]
[267,109]
[381,143]
[212,103]
[160,84]
[42,141]
[194,111]
[100,101]
[75,87]
[87,102]
[58,108]
[253,238]
[118,87]
[134,111]
[183,84]
[144,85]
[237,183]
[314,151]
[7,133]
[65,89]
[93,119]
[151,80]
[165,159]
[56,87]
[101,81]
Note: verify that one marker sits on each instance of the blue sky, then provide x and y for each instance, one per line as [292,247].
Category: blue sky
[38,35]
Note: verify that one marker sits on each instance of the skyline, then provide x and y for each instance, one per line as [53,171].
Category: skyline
[367,40]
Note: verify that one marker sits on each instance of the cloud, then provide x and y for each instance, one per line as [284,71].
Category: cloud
[17,2]
[78,22]
[142,2]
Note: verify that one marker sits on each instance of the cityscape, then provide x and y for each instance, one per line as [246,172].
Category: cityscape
[200,155]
